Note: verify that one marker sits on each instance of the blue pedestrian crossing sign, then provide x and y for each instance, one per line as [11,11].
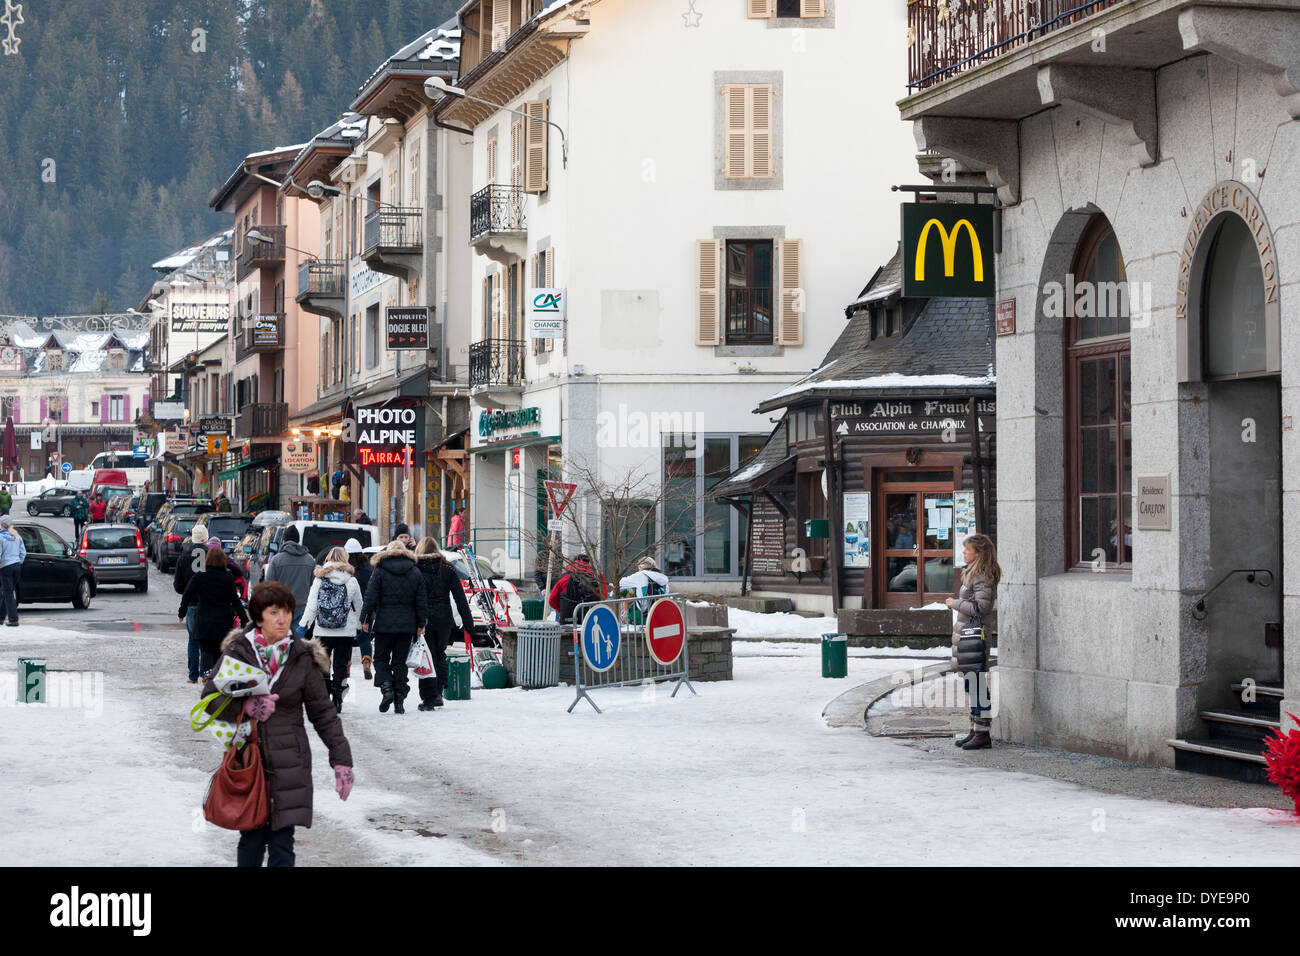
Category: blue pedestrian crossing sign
[67,467]
[600,638]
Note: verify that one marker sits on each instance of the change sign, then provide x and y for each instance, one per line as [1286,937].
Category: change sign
[948,250]
[546,314]
[408,328]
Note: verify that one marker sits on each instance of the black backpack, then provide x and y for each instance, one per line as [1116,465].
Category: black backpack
[654,587]
[579,590]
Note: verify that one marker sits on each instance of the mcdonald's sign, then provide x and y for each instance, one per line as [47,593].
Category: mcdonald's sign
[948,250]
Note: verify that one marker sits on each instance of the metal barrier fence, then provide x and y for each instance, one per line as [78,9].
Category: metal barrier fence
[633,663]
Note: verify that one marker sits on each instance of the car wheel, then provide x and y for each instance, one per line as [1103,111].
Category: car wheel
[142,587]
[66,512]
[31,509]
[81,596]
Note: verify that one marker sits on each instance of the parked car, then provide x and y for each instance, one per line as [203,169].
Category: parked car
[118,506]
[315,536]
[248,544]
[230,528]
[147,508]
[108,477]
[52,501]
[172,538]
[53,573]
[154,530]
[116,554]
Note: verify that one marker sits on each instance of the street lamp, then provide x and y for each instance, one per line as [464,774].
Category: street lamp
[254,236]
[435,87]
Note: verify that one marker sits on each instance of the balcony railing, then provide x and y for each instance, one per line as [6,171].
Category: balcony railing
[263,420]
[321,279]
[394,229]
[254,255]
[258,334]
[946,37]
[749,316]
[496,211]
[496,363]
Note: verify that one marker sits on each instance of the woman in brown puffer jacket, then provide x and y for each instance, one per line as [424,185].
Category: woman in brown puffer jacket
[296,667]
[977,597]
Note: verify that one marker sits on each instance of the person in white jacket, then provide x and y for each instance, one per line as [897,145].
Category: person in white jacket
[646,580]
[334,606]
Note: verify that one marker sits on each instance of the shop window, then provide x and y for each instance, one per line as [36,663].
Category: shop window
[1098,407]
[372,337]
[628,529]
[1233,316]
[701,537]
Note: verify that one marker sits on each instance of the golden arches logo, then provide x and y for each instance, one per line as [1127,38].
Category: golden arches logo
[949,241]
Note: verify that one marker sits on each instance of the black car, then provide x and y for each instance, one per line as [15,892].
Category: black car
[154,530]
[230,528]
[147,508]
[175,532]
[53,501]
[119,508]
[53,572]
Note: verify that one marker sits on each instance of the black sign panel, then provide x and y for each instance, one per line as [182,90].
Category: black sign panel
[214,426]
[389,436]
[266,330]
[768,540]
[910,416]
[408,328]
[948,250]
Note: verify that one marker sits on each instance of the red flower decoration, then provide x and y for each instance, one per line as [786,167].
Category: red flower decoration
[1282,754]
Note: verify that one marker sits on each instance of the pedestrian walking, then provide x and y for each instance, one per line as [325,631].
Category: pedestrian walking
[456,530]
[293,567]
[80,511]
[216,602]
[98,508]
[976,601]
[12,555]
[362,569]
[189,562]
[402,533]
[6,500]
[295,667]
[334,606]
[647,581]
[395,611]
[236,572]
[444,587]
[222,504]
[360,517]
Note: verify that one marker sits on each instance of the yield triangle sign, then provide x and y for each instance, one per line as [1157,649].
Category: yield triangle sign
[560,492]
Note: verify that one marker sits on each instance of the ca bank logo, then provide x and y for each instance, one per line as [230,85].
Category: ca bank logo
[949,240]
[548,301]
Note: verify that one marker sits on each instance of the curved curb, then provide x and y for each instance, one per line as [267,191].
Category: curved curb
[850,708]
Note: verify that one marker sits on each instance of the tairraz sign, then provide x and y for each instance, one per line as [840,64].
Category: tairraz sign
[408,328]
[388,436]
[546,314]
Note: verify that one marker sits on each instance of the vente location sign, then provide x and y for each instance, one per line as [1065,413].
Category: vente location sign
[388,436]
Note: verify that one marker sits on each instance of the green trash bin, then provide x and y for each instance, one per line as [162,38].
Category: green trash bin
[457,677]
[533,608]
[835,655]
[31,680]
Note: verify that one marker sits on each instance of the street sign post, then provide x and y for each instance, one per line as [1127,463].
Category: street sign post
[665,631]
[67,467]
[560,494]
[601,639]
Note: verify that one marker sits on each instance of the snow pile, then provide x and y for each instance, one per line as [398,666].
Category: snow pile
[754,624]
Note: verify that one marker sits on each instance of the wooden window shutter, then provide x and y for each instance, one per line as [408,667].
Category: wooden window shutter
[550,284]
[532,271]
[499,305]
[750,131]
[737,144]
[789,326]
[762,9]
[491,161]
[517,153]
[812,8]
[708,315]
[500,23]
[761,131]
[537,136]
[487,305]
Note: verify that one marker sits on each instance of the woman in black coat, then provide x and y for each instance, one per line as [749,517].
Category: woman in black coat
[214,594]
[444,586]
[395,611]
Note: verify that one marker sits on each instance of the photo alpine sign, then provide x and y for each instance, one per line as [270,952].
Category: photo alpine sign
[546,314]
[948,250]
[388,436]
[408,328]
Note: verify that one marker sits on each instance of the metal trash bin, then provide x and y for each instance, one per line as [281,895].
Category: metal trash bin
[537,662]
[534,609]
[835,655]
[31,680]
[458,677]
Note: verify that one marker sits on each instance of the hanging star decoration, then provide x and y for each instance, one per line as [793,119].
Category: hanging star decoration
[911,36]
[692,16]
[13,16]
[942,11]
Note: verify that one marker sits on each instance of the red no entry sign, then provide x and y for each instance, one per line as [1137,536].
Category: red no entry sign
[665,631]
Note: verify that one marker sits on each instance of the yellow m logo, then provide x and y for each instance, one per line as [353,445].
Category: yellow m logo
[949,241]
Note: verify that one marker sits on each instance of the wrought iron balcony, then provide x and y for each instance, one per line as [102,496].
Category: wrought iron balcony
[496,363]
[321,287]
[394,229]
[262,420]
[255,255]
[946,37]
[259,334]
[497,211]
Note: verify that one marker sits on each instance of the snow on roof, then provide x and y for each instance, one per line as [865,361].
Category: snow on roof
[25,337]
[278,149]
[441,43]
[179,260]
[892,380]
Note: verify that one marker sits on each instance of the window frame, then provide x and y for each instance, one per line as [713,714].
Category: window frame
[749,338]
[1076,352]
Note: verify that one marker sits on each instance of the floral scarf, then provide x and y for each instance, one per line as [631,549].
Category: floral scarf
[272,656]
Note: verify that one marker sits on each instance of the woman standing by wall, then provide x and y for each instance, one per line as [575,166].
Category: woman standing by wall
[976,602]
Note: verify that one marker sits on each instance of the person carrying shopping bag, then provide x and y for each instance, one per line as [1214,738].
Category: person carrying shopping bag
[334,606]
[976,608]
[443,584]
[216,600]
[395,611]
[295,668]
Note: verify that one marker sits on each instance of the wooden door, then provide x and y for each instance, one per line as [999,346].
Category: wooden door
[914,522]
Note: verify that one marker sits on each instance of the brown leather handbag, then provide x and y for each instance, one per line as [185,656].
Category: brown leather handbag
[237,797]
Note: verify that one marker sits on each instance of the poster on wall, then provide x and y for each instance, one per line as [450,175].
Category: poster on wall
[768,539]
[963,523]
[857,530]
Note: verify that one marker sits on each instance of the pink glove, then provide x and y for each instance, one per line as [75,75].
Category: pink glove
[343,781]
[262,707]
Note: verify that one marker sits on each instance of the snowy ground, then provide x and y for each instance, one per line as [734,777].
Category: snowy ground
[745,773]
[751,624]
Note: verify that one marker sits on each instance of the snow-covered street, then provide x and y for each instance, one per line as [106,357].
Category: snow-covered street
[745,773]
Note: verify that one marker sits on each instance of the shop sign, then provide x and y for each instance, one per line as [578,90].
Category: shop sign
[363,280]
[1152,503]
[768,538]
[388,436]
[1007,317]
[948,250]
[298,456]
[546,314]
[503,425]
[857,530]
[214,426]
[200,316]
[408,328]
[266,330]
[176,443]
[167,411]
[909,416]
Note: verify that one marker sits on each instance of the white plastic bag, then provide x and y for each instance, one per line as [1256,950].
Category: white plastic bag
[419,659]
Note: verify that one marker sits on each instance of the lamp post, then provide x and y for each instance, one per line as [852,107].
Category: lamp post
[435,87]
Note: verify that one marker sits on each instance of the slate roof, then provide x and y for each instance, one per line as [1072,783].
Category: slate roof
[771,458]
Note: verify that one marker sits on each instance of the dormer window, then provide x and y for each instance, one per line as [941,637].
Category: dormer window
[54,360]
[117,360]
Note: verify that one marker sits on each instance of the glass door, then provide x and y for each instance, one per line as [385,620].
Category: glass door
[916,523]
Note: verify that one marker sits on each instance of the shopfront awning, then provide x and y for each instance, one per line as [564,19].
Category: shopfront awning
[242,466]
